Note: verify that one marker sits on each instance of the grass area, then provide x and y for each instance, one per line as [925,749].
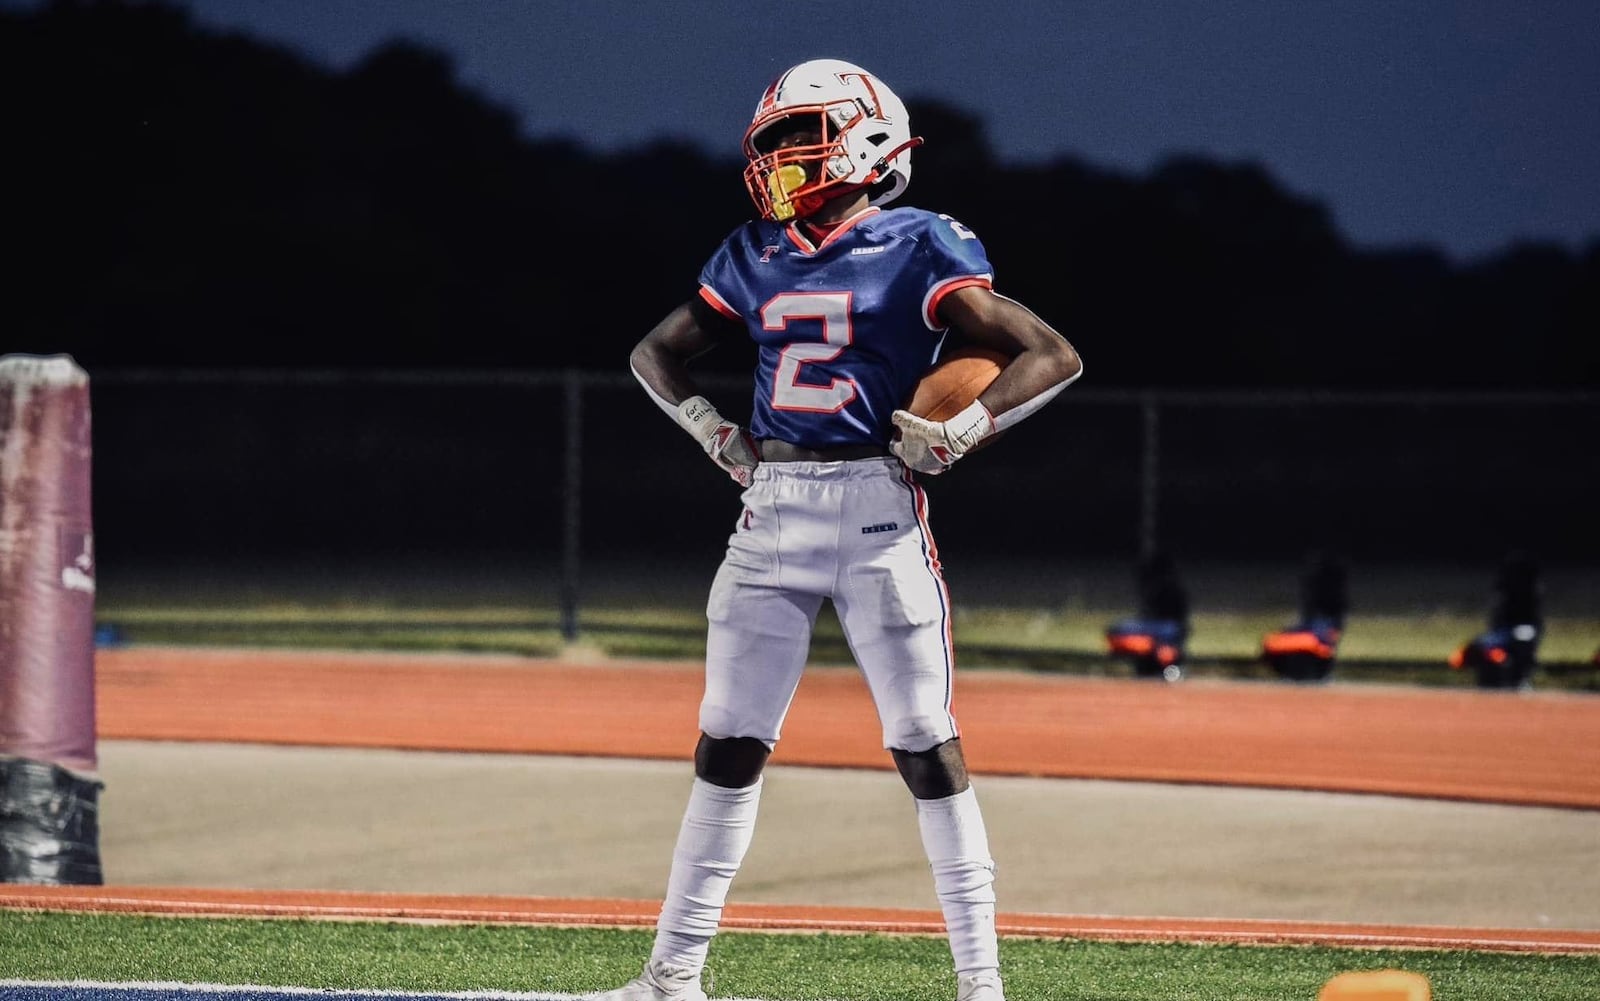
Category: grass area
[1375,647]
[416,957]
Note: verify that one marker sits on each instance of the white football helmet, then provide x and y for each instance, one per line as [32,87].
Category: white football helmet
[864,135]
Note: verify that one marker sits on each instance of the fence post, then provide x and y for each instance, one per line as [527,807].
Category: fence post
[572,505]
[1150,473]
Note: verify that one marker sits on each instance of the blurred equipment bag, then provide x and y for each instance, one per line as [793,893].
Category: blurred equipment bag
[1306,650]
[1505,655]
[1153,642]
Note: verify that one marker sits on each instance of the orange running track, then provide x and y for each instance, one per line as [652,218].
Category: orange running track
[1527,749]
[1536,749]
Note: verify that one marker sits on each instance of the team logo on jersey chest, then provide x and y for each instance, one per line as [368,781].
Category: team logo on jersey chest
[863,251]
[769,252]
[886,526]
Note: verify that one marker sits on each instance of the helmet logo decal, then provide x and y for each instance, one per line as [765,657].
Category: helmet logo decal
[872,105]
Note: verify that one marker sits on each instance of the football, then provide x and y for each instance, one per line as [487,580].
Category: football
[954,381]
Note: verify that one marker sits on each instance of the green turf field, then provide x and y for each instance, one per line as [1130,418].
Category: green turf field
[344,954]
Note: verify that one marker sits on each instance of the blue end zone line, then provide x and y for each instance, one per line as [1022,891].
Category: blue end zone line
[92,990]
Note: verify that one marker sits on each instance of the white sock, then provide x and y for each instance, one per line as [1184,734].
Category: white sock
[716,831]
[957,844]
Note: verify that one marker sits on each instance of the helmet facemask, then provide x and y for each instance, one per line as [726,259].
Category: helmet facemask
[794,180]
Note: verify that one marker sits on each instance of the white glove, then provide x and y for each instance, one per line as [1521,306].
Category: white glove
[932,446]
[729,445]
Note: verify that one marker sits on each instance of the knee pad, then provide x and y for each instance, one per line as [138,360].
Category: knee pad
[935,773]
[730,762]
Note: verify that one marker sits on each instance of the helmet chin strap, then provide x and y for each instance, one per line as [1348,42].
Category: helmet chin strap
[881,168]
[820,228]
[911,143]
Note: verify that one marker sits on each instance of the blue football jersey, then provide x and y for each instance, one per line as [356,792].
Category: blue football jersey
[844,327]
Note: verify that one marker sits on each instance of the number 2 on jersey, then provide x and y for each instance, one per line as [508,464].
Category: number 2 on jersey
[833,309]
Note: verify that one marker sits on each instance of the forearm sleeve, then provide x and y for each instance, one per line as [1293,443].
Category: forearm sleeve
[1021,411]
[670,409]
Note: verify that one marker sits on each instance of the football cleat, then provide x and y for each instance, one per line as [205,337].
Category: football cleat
[979,987]
[660,982]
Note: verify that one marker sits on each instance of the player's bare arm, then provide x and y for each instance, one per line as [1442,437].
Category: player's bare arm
[1042,364]
[1041,359]
[660,361]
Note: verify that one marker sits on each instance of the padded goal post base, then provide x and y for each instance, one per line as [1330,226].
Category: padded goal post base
[49,824]
[49,790]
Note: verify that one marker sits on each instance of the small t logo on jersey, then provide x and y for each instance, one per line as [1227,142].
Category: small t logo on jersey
[887,526]
[769,252]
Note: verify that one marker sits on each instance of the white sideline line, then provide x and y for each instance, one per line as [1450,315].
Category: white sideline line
[173,985]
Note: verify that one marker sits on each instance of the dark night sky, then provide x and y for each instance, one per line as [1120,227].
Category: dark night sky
[1465,125]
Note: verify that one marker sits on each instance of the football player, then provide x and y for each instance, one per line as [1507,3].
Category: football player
[848,304]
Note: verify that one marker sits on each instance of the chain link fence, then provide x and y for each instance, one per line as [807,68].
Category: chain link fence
[550,475]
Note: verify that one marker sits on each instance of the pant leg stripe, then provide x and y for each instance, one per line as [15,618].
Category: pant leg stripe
[930,556]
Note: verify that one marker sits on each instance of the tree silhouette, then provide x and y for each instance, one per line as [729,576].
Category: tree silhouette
[188,198]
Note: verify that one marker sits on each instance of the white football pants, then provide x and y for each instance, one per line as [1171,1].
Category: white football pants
[857,533]
[854,532]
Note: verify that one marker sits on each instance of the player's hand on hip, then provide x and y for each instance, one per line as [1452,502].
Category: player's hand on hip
[934,446]
[732,447]
[729,445]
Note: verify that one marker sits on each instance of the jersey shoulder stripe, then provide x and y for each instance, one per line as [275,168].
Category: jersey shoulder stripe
[930,303]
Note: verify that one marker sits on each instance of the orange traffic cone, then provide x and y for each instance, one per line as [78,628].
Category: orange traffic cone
[1377,985]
